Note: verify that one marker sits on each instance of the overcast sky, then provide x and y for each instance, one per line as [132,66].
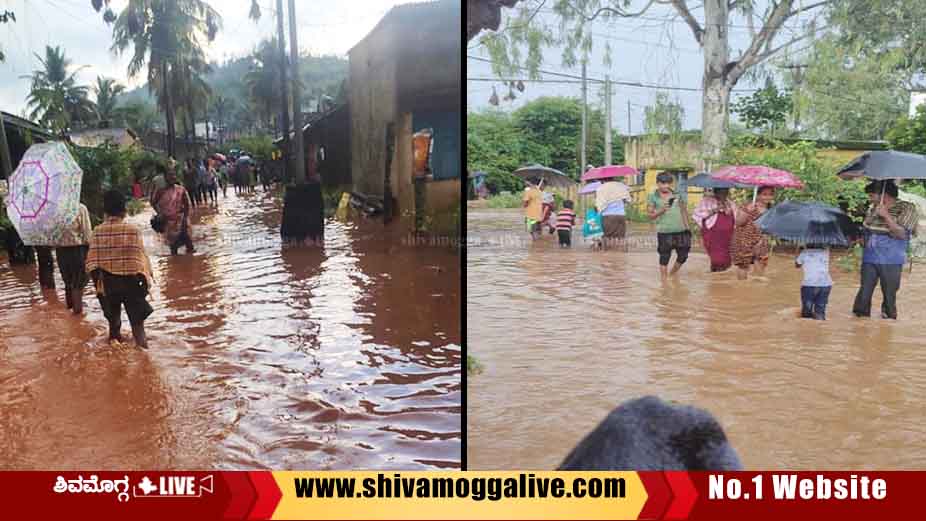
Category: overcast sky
[325,27]
[658,49]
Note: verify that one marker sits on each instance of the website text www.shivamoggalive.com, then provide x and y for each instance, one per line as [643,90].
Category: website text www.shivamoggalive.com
[525,486]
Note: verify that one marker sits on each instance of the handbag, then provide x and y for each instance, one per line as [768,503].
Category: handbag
[592,227]
[157,223]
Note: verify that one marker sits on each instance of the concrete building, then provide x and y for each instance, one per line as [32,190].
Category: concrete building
[405,75]
[21,134]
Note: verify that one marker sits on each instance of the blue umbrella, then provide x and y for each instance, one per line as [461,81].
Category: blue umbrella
[807,223]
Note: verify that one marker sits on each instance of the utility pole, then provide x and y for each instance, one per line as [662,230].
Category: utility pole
[297,100]
[607,127]
[303,205]
[583,162]
[628,119]
[281,43]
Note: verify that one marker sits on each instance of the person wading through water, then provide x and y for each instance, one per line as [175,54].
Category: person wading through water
[887,228]
[173,205]
[673,232]
[121,270]
[71,252]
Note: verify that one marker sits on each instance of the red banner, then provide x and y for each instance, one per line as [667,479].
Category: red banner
[751,496]
[139,495]
[757,496]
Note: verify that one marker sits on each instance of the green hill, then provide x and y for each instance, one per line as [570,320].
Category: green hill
[321,75]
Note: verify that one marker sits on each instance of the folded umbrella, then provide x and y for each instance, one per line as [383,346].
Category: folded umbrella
[885,164]
[807,223]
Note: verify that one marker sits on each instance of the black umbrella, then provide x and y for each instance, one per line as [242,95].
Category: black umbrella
[807,223]
[707,181]
[550,176]
[885,164]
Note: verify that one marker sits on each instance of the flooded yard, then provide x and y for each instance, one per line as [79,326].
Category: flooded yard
[566,335]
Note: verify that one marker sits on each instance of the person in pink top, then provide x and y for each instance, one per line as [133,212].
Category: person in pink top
[715,215]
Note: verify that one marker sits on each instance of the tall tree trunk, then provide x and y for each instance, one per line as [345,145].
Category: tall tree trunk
[716,83]
[169,113]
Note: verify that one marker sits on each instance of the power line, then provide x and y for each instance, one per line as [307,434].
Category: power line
[670,19]
[595,80]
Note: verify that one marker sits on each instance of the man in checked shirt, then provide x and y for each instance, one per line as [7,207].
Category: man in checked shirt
[121,270]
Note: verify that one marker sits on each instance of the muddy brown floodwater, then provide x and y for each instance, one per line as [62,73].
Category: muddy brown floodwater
[565,336]
[346,357]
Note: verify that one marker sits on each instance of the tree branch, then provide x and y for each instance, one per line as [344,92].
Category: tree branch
[615,11]
[768,54]
[696,28]
[776,19]
[809,7]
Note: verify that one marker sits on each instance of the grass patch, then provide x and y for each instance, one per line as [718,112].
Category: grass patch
[504,200]
[473,366]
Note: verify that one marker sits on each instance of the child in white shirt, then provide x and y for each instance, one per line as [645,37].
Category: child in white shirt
[817,283]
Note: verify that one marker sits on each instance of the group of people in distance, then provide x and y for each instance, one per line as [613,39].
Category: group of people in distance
[731,236]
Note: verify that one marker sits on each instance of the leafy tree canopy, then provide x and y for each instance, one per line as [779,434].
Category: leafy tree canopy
[765,110]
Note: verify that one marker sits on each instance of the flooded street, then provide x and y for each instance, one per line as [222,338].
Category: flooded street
[343,358]
[565,336]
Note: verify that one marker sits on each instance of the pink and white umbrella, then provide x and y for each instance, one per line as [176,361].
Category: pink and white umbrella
[44,194]
[755,175]
[609,171]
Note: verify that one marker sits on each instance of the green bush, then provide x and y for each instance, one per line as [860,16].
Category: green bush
[636,214]
[473,366]
[504,200]
[5,223]
[914,187]
[104,167]
[818,174]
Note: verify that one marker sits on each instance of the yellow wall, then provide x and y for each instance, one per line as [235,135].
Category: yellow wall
[647,154]
[641,192]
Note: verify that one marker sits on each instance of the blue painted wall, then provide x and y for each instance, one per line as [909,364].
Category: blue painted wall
[445,158]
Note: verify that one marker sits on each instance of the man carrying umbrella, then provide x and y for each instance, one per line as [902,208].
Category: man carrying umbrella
[887,229]
[533,208]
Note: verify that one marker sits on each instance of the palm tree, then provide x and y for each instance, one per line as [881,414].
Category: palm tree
[221,108]
[56,100]
[140,117]
[166,36]
[107,90]
[263,80]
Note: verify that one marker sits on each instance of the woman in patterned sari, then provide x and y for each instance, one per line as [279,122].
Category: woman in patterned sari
[750,247]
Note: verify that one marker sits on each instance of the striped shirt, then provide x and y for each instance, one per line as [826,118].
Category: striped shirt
[565,219]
